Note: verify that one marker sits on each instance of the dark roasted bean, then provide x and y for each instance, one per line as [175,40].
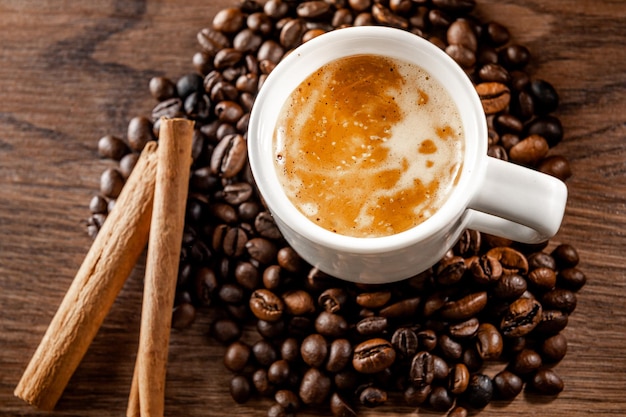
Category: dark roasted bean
[373,356]
[331,325]
[521,317]
[479,391]
[560,299]
[465,307]
[405,342]
[339,407]
[339,355]
[266,305]
[370,326]
[507,385]
[315,387]
[373,397]
[422,370]
[547,382]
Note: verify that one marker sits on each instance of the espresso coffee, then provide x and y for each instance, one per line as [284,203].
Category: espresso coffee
[369,146]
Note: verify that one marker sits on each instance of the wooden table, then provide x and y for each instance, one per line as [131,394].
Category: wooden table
[71,72]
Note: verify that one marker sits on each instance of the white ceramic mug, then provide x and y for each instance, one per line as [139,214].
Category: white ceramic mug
[491,195]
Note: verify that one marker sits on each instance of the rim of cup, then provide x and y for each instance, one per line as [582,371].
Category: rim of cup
[395,43]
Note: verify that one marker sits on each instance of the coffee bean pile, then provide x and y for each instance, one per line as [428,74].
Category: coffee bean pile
[427,341]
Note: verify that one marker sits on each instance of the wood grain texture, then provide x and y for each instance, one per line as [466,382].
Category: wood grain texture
[72,72]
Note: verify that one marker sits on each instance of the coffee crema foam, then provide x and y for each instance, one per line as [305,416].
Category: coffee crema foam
[368,146]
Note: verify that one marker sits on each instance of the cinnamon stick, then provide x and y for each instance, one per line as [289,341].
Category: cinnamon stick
[107,265]
[166,233]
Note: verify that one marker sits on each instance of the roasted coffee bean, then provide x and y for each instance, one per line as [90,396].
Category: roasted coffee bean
[427,339]
[314,350]
[548,127]
[566,256]
[512,260]
[189,84]
[458,411]
[331,325]
[422,370]
[236,356]
[315,387]
[374,299]
[264,353]
[571,278]
[139,133]
[371,326]
[560,299]
[261,382]
[479,391]
[339,355]
[469,243]
[416,395]
[449,347]
[542,278]
[265,226]
[441,370]
[229,20]
[515,56]
[510,287]
[271,51]
[462,33]
[111,183]
[298,302]
[525,362]
[339,407]
[552,322]
[332,299]
[464,308]
[373,397]
[464,330]
[462,55]
[98,204]
[261,249]
[557,166]
[272,277]
[240,389]
[291,33]
[496,33]
[507,123]
[312,9]
[440,399]
[183,315]
[112,147]
[547,382]
[386,17]
[507,385]
[290,349]
[486,269]
[229,156]
[226,330]
[278,372]
[529,151]
[406,308]
[495,97]
[541,260]
[276,410]
[233,241]
[459,378]
[544,96]
[521,317]
[472,359]
[494,73]
[231,293]
[451,270]
[373,356]
[404,341]
[266,305]
[554,348]
[287,399]
[288,259]
[127,164]
[489,343]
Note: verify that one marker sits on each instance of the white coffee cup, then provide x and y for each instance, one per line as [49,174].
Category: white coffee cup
[491,195]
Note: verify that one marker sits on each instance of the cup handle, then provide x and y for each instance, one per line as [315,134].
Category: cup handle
[517,203]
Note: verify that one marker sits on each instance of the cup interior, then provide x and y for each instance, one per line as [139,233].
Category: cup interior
[394,43]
